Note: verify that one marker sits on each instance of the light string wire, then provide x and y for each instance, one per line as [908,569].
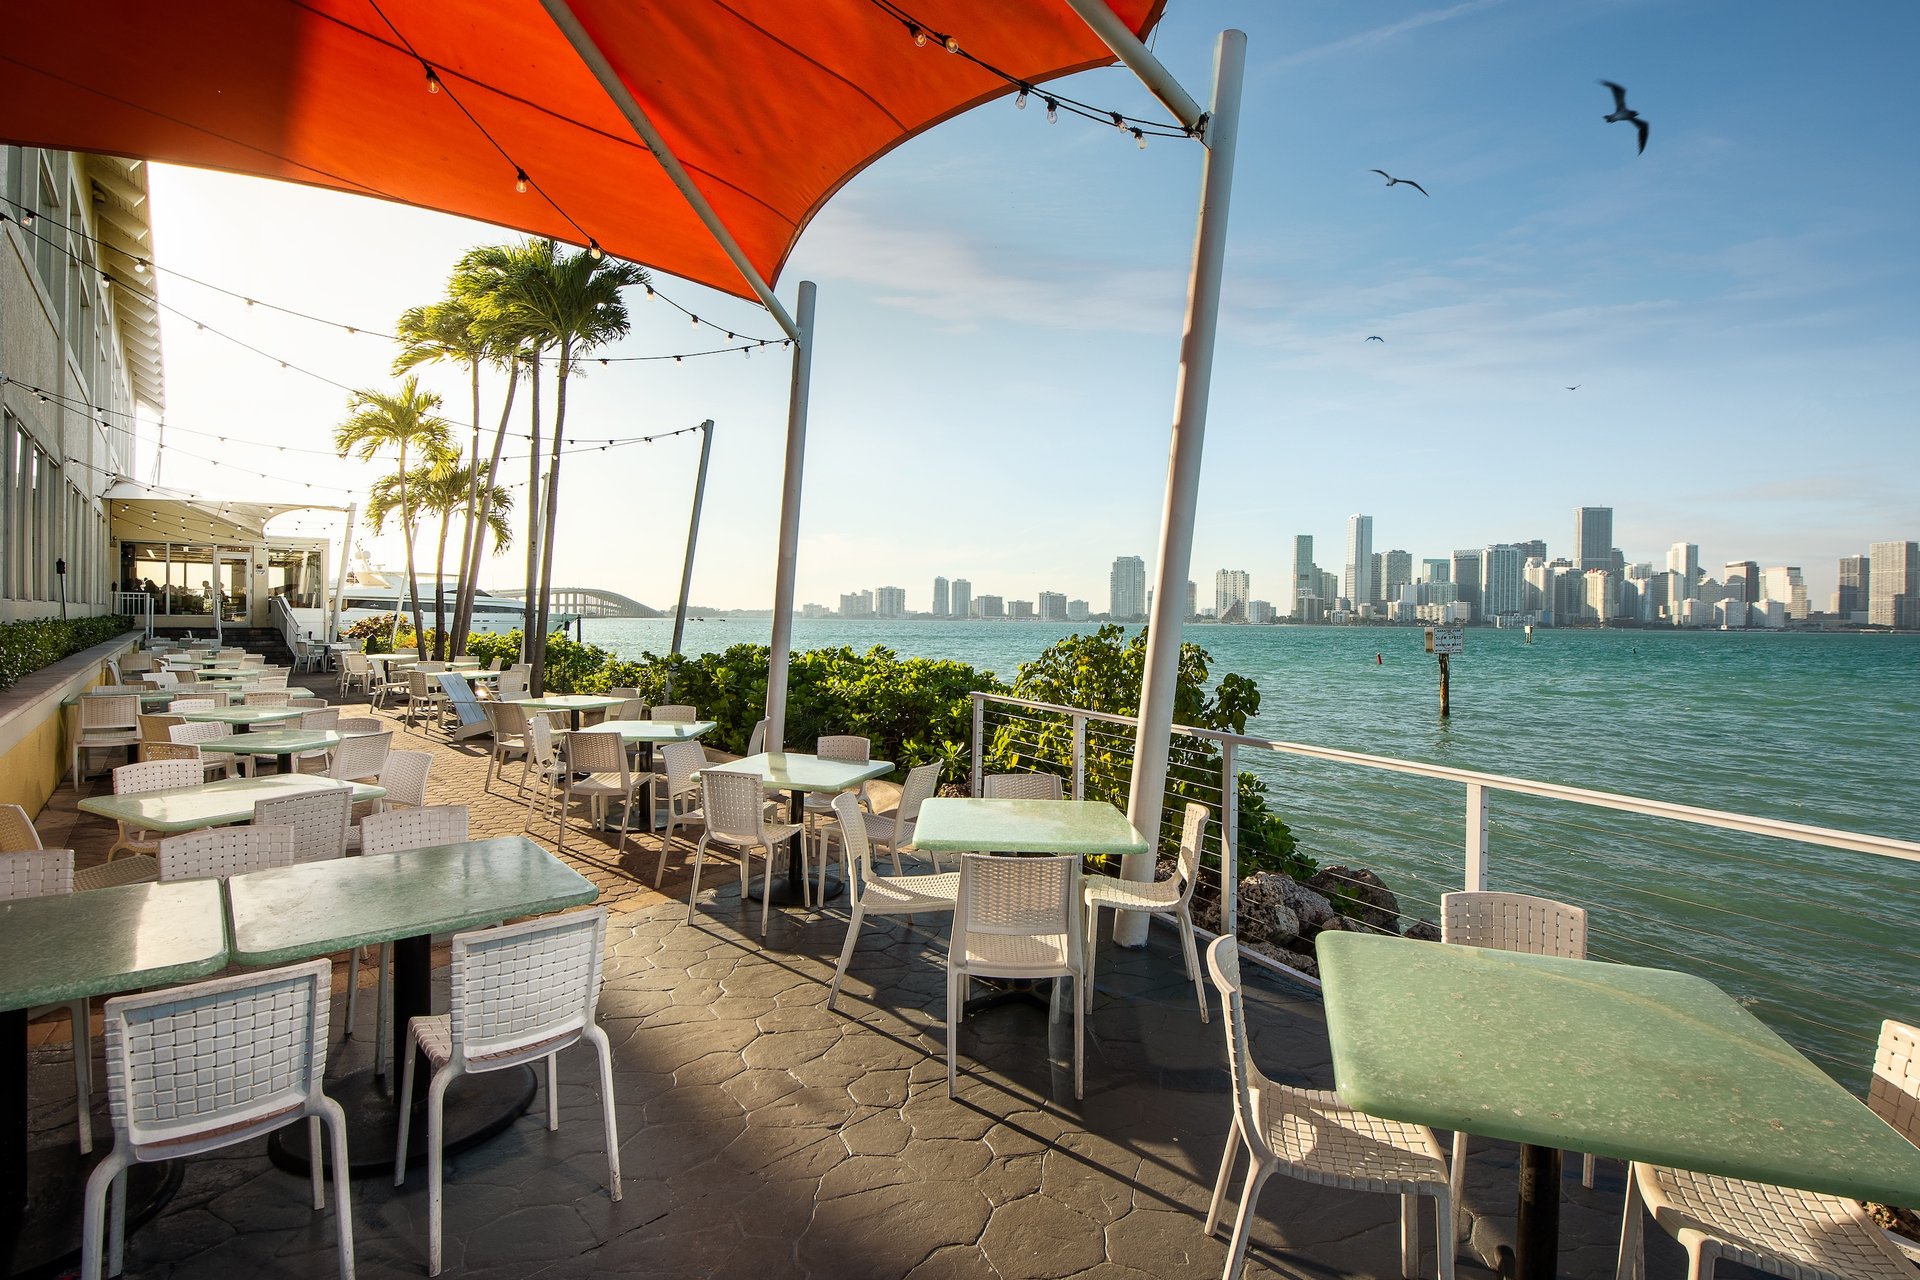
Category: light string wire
[1140,128]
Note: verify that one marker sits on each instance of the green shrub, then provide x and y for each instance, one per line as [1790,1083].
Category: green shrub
[29,645]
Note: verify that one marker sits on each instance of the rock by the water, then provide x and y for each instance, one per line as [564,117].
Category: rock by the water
[1298,961]
[1265,916]
[1369,900]
[1423,931]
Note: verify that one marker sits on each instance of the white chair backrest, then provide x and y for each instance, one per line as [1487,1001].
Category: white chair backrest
[757,740]
[518,986]
[320,718]
[110,711]
[540,742]
[1894,1092]
[676,713]
[35,873]
[320,820]
[400,829]
[16,829]
[356,663]
[1020,786]
[922,781]
[404,775]
[1514,922]
[361,757]
[1223,958]
[359,724]
[589,752]
[225,851]
[170,751]
[853,832]
[1193,839]
[631,709]
[157,775]
[734,805]
[180,706]
[683,761]
[153,728]
[272,680]
[216,1056]
[1017,896]
[508,720]
[264,697]
[511,684]
[162,679]
[199,731]
[847,747]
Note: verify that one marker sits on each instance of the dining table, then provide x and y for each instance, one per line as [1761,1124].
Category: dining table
[243,718]
[213,804]
[282,744]
[1633,1063]
[320,908]
[77,946]
[574,705]
[798,773]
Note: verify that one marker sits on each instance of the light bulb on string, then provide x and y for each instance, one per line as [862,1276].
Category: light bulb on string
[26,218]
[140,266]
[952,43]
[919,36]
[594,251]
[433,81]
[1141,138]
[520,181]
[693,320]
[1020,101]
[1053,111]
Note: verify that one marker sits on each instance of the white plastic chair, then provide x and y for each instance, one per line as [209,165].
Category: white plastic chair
[1020,786]
[1511,922]
[543,755]
[676,713]
[320,818]
[603,758]
[356,673]
[211,1065]
[1799,1234]
[424,694]
[878,895]
[848,748]
[757,740]
[149,775]
[181,706]
[1174,895]
[396,831]
[218,765]
[509,724]
[520,993]
[106,722]
[1311,1135]
[734,805]
[33,872]
[361,757]
[892,832]
[1016,917]
[404,775]
[359,726]
[683,762]
[265,697]
[225,851]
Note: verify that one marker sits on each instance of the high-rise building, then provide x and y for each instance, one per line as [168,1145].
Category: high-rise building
[1603,594]
[1260,612]
[1231,590]
[1193,599]
[1021,610]
[940,609]
[1360,578]
[856,604]
[1077,611]
[1436,570]
[1466,578]
[962,598]
[1304,573]
[1895,598]
[1053,606]
[1593,538]
[1538,596]
[1532,549]
[1784,583]
[1856,581]
[1502,580]
[1396,571]
[1683,558]
[1743,580]
[990,607]
[1127,588]
[890,602]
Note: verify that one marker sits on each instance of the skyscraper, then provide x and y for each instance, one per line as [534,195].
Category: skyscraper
[1396,571]
[1683,559]
[1895,598]
[890,602]
[1231,591]
[1305,574]
[1359,581]
[1502,580]
[1856,582]
[1436,570]
[962,598]
[939,597]
[1127,588]
[1593,538]
[1053,606]
[1533,548]
[1466,578]
[1785,583]
[1743,580]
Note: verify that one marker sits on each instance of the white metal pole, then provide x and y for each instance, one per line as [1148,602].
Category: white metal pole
[788,564]
[693,534]
[1153,732]
[340,581]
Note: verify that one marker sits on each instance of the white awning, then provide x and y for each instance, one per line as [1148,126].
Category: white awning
[154,513]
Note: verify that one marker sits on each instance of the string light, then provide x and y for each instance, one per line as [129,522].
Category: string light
[520,181]
[596,253]
[433,80]
[919,36]
[1020,102]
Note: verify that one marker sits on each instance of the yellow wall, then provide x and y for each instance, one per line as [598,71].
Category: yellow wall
[36,759]
[31,770]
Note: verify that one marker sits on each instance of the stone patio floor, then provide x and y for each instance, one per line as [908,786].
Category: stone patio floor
[763,1135]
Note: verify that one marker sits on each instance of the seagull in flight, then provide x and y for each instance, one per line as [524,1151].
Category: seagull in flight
[1374,337]
[1576,386]
[1396,182]
[1622,113]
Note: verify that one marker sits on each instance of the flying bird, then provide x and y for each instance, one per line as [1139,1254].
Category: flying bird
[1576,386]
[1374,337]
[1396,182]
[1624,113]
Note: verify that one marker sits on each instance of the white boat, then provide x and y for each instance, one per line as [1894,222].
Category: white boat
[372,593]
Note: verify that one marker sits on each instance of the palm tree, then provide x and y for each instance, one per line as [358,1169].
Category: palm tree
[442,488]
[446,331]
[573,303]
[404,421]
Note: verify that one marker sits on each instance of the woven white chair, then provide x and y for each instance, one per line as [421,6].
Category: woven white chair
[1174,895]
[32,872]
[220,764]
[757,740]
[1511,922]
[264,697]
[356,726]
[683,762]
[396,831]
[225,851]
[211,1065]
[511,684]
[356,673]
[602,757]
[1799,1234]
[106,722]
[271,680]
[361,757]
[404,775]
[520,993]
[735,808]
[816,807]
[181,706]
[174,751]
[320,819]
[676,713]
[892,832]
[162,679]
[1016,917]
[424,694]
[1020,786]
[153,727]
[17,830]
[320,719]
[543,757]
[151,775]
[509,725]
[878,895]
[1311,1135]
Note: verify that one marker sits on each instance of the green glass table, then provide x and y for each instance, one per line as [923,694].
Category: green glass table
[216,804]
[571,703]
[797,773]
[72,947]
[318,908]
[244,718]
[954,825]
[282,744]
[1637,1064]
[646,734]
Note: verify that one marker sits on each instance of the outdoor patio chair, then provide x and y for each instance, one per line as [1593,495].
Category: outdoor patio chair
[735,808]
[509,725]
[28,871]
[221,764]
[356,673]
[602,757]
[424,694]
[1311,1135]
[225,851]
[1020,786]
[816,806]
[396,832]
[404,775]
[320,820]
[892,832]
[511,684]
[106,722]
[520,993]
[634,708]
[270,681]
[151,775]
[1800,1234]
[171,751]
[543,758]
[265,697]
[757,740]
[320,719]
[878,895]
[162,679]
[683,762]
[384,690]
[350,726]
[676,713]
[361,757]
[113,671]
[17,830]
[211,1065]
[1511,922]
[1016,917]
[153,727]
[182,706]
[1174,895]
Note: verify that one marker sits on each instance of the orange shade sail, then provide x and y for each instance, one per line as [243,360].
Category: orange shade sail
[770,104]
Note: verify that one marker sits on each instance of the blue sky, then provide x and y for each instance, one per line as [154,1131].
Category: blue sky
[1001,299]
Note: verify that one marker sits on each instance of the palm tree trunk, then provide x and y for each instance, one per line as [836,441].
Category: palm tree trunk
[532,643]
[413,579]
[442,646]
[473,498]
[470,564]
[553,510]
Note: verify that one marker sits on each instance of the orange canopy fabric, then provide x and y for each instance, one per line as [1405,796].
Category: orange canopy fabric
[770,104]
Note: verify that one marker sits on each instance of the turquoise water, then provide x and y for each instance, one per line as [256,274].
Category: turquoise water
[1809,728]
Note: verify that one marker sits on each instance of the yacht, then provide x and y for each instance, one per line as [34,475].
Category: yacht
[373,593]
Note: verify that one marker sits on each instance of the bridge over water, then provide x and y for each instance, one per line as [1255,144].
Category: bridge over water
[589,602]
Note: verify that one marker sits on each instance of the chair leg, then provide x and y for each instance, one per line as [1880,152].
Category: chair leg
[1093,937]
[1257,1174]
[1457,1179]
[566,803]
[1631,1262]
[604,1051]
[956,985]
[406,1113]
[1443,1250]
[436,1172]
[93,1215]
[353,991]
[382,1010]
[79,1014]
[846,953]
[1079,1038]
[553,1092]
[1220,1180]
[1193,960]
[1410,1236]
[316,1163]
[693,890]
[766,879]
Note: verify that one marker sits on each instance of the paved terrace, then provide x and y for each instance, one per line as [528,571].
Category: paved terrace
[764,1136]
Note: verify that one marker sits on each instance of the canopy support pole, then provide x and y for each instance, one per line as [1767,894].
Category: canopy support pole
[693,532]
[1153,733]
[340,581]
[788,565]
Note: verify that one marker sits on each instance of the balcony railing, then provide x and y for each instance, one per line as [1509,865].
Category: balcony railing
[137,605]
[1811,926]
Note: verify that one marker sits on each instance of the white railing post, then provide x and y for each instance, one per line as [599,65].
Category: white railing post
[979,740]
[1475,879]
[1079,757]
[1229,841]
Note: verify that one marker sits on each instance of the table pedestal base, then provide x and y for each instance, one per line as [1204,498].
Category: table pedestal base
[49,1238]
[1536,1230]
[477,1108]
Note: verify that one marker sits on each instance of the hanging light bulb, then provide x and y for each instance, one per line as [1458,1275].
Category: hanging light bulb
[693,319]
[1020,100]
[140,266]
[919,36]
[594,250]
[26,218]
[1118,121]
[1053,111]
[520,181]
[1141,138]
[952,43]
[433,81]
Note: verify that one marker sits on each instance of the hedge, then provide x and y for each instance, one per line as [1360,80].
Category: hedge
[27,646]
